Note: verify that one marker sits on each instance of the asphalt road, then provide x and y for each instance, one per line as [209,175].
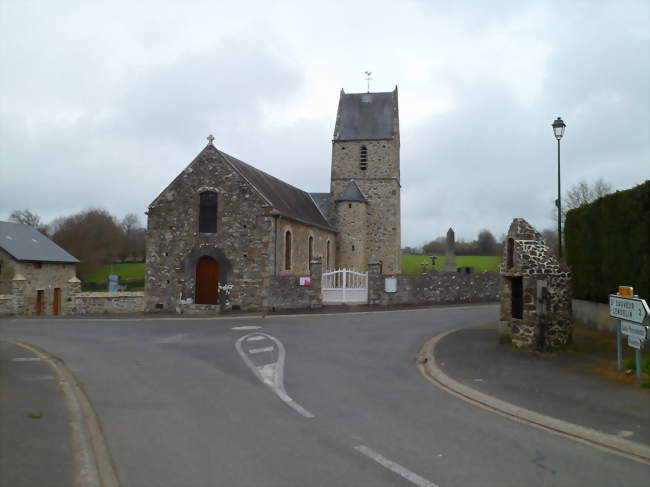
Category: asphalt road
[198,402]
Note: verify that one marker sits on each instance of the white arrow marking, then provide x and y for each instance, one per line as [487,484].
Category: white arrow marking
[255,338]
[272,374]
[246,327]
[260,350]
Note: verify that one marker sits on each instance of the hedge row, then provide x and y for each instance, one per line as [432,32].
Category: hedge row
[608,244]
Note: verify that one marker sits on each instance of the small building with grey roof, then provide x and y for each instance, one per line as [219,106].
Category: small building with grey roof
[36,275]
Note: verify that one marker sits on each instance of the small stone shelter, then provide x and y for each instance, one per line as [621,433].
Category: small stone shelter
[535,291]
[36,275]
[225,234]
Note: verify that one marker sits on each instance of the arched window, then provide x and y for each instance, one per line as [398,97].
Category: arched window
[363,158]
[311,250]
[327,255]
[208,212]
[287,250]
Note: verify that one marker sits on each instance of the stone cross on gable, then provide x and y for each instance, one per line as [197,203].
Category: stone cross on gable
[210,138]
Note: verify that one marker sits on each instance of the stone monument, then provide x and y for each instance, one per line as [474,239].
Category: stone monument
[450,255]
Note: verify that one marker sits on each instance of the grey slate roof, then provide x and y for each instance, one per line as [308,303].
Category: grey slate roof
[288,200]
[351,192]
[366,116]
[23,242]
[323,202]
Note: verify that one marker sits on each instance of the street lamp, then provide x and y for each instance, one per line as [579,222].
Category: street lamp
[558,130]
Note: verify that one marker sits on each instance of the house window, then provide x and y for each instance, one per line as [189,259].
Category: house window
[208,212]
[287,250]
[38,265]
[311,249]
[363,158]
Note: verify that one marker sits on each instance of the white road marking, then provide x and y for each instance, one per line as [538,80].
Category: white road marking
[260,350]
[271,374]
[255,338]
[26,359]
[246,327]
[173,338]
[394,467]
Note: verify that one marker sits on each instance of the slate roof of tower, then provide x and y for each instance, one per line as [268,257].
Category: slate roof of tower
[288,200]
[24,242]
[366,116]
[351,192]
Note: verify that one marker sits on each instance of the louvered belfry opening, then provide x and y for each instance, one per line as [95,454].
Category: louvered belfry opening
[363,158]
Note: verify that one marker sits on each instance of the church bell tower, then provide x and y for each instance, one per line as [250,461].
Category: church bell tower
[365,183]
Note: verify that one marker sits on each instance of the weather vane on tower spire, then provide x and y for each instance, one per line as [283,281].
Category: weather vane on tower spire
[368,79]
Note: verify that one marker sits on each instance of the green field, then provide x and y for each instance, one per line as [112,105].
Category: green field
[125,271]
[411,263]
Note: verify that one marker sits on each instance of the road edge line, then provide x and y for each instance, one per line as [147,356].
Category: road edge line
[613,444]
[93,463]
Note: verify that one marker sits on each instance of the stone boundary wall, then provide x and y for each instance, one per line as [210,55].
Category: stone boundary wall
[287,293]
[105,302]
[433,288]
[593,315]
[6,304]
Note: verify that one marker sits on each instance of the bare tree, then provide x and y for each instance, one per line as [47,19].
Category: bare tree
[582,194]
[133,247]
[26,217]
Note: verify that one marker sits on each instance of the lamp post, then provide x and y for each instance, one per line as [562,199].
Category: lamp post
[558,130]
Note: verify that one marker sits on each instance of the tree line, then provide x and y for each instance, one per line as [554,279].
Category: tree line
[576,196]
[93,236]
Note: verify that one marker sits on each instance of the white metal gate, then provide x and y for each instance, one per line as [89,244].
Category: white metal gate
[345,286]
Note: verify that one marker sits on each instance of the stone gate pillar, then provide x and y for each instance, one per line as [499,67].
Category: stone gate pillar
[316,277]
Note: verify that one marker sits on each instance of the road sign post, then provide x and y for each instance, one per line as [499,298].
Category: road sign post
[631,312]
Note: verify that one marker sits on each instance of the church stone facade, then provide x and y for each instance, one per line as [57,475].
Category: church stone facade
[223,233]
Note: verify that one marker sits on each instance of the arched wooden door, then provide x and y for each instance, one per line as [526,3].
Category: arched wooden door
[207,281]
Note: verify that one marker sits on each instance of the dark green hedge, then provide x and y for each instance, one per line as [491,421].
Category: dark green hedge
[608,244]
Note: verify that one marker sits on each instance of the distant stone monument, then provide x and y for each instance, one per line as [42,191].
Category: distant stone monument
[450,255]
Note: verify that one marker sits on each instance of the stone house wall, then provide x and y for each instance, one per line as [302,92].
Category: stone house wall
[432,287]
[23,280]
[6,304]
[380,184]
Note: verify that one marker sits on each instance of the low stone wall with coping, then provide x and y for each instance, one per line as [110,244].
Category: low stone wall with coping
[105,302]
[286,292]
[6,304]
[593,315]
[432,288]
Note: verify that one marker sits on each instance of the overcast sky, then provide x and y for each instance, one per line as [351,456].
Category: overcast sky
[104,103]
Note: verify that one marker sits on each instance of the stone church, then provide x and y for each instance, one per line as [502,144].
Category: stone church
[223,229]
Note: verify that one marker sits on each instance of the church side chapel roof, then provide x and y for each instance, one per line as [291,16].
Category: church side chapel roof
[366,116]
[25,243]
[322,201]
[290,201]
[351,192]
